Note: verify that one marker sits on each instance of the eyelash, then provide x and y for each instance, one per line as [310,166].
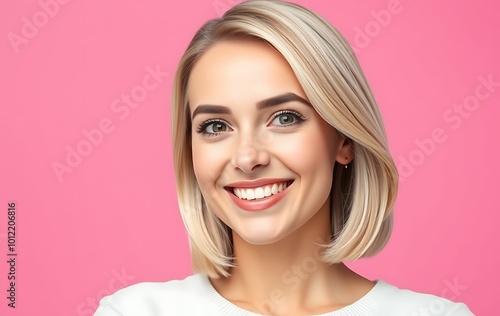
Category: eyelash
[300,119]
[203,126]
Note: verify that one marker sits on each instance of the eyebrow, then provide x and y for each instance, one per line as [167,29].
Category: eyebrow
[266,103]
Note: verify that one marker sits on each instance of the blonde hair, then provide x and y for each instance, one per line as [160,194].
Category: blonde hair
[362,196]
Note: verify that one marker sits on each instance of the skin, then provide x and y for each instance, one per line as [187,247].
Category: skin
[278,267]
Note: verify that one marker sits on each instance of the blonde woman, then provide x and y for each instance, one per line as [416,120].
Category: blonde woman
[283,172]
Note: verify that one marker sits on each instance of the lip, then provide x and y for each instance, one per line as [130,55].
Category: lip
[256,183]
[258,204]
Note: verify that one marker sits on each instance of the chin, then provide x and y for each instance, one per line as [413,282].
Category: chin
[260,240]
[260,236]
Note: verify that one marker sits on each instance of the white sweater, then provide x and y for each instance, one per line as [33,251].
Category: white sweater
[195,295]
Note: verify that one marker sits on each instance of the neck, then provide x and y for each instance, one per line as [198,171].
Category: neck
[286,275]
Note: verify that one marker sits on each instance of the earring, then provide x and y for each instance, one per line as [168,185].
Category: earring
[346,162]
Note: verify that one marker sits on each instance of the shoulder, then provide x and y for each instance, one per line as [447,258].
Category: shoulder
[174,297]
[407,302]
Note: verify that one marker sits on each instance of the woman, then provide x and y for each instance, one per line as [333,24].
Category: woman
[283,172]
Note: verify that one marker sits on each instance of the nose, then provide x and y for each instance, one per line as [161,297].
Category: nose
[250,154]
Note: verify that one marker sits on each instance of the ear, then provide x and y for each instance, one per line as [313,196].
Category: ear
[345,154]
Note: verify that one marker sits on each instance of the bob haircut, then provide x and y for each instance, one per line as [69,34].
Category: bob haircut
[362,196]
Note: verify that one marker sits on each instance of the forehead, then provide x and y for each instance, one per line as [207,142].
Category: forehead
[235,69]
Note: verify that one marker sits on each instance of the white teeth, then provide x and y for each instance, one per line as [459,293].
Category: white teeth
[267,191]
[274,189]
[250,194]
[260,192]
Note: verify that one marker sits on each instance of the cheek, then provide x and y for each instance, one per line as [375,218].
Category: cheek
[207,165]
[307,151]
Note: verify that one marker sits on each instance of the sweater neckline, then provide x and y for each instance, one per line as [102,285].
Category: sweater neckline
[363,306]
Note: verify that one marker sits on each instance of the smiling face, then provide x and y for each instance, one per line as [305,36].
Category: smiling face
[262,155]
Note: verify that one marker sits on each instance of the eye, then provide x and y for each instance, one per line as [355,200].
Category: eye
[287,118]
[212,127]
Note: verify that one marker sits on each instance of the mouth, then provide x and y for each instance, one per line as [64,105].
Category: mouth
[259,193]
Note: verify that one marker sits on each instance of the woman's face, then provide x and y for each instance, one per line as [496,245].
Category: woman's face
[262,155]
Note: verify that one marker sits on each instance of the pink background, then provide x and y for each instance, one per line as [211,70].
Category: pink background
[111,219]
